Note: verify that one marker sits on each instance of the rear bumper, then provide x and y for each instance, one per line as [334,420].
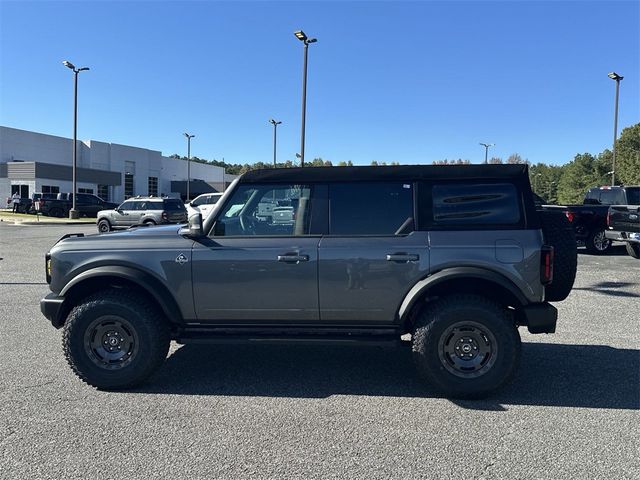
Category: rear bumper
[51,308]
[622,236]
[539,317]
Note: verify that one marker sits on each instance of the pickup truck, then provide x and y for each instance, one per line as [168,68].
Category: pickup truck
[624,225]
[87,204]
[589,220]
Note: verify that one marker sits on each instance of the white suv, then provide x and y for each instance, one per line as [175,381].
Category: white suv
[203,204]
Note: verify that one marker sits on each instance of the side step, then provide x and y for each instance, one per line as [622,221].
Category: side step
[383,338]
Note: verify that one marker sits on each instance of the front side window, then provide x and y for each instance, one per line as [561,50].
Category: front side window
[267,210]
[372,208]
[127,206]
[475,204]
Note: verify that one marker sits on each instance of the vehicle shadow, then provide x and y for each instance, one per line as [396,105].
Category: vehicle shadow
[591,376]
[615,251]
[611,288]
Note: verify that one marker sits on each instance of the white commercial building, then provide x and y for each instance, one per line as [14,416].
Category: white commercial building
[35,162]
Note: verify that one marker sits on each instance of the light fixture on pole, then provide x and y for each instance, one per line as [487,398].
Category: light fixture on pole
[486,149]
[189,137]
[73,213]
[617,78]
[275,124]
[300,35]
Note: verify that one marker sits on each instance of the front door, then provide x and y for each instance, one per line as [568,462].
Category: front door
[251,270]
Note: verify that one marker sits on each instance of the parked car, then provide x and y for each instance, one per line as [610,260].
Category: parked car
[457,257]
[87,204]
[624,225]
[147,211]
[203,204]
[589,220]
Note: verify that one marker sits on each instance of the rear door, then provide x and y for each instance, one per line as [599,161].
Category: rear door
[372,255]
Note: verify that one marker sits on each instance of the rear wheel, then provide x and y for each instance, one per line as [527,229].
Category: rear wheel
[466,345]
[597,243]
[104,226]
[115,339]
[633,249]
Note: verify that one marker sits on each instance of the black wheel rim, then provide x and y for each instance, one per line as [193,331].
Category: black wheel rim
[467,349]
[111,342]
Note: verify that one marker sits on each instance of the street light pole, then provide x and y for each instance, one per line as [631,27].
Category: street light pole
[189,137]
[300,35]
[275,124]
[617,78]
[73,213]
[486,149]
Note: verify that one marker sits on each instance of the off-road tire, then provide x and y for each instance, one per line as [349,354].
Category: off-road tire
[432,328]
[149,223]
[633,249]
[104,226]
[144,321]
[558,233]
[597,243]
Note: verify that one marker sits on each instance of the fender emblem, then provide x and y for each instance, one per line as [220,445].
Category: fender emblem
[182,259]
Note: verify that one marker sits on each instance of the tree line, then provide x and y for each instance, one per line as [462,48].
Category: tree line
[561,184]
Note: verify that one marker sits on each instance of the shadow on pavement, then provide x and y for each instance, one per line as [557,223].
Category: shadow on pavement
[615,251]
[591,376]
[611,288]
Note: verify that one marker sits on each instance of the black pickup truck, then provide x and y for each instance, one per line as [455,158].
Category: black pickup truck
[624,225]
[86,203]
[589,220]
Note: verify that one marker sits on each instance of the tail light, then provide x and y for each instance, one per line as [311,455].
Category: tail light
[546,265]
[165,216]
[570,215]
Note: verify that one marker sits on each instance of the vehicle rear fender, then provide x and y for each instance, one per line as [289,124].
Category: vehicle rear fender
[461,280]
[120,276]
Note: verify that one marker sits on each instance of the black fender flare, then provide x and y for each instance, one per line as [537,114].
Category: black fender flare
[151,285]
[448,274]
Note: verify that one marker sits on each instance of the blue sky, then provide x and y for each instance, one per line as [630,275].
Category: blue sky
[389,81]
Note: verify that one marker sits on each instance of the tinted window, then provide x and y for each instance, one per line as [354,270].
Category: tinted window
[612,197]
[374,208]
[151,205]
[127,206]
[270,210]
[173,204]
[468,204]
[633,196]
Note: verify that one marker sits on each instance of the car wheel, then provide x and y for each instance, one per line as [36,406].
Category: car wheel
[597,243]
[149,223]
[115,339]
[466,345]
[633,249]
[104,226]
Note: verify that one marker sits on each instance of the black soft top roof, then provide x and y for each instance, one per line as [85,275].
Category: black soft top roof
[380,173]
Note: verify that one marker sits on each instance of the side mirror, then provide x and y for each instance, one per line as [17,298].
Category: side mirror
[194,229]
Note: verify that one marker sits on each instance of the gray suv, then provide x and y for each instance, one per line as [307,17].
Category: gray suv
[456,256]
[142,211]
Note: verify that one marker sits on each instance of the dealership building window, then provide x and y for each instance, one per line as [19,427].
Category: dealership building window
[103,192]
[128,185]
[50,189]
[85,190]
[153,186]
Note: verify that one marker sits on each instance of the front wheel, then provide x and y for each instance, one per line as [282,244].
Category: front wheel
[115,339]
[104,226]
[633,249]
[466,346]
[597,243]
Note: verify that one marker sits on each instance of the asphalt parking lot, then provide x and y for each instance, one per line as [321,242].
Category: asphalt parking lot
[318,412]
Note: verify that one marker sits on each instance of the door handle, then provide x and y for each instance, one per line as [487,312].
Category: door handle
[293,258]
[402,257]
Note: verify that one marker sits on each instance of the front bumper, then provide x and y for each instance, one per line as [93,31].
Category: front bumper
[622,236]
[51,307]
[539,317]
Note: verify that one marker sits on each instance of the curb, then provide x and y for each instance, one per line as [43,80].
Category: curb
[45,223]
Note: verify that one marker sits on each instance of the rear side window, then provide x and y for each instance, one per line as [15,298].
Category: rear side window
[479,204]
[373,208]
[633,196]
[173,204]
[153,206]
